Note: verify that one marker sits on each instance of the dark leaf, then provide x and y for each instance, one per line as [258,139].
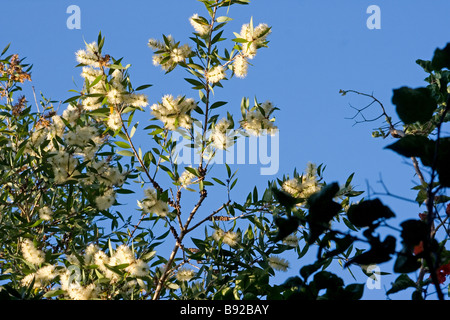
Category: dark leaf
[441,58]
[413,232]
[378,253]
[406,262]
[322,209]
[286,227]
[414,105]
[413,146]
[401,283]
[365,213]
[284,198]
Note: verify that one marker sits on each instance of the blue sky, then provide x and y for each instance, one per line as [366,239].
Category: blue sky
[315,49]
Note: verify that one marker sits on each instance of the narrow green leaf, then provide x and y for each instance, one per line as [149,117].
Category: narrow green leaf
[126,153]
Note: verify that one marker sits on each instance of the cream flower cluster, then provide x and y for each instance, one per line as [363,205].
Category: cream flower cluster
[200,26]
[185,274]
[304,186]
[222,134]
[168,54]
[278,263]
[258,122]
[174,112]
[115,90]
[186,178]
[240,66]
[91,56]
[122,255]
[230,238]
[106,200]
[151,203]
[216,74]
[42,277]
[45,213]
[255,37]
[64,166]
[31,253]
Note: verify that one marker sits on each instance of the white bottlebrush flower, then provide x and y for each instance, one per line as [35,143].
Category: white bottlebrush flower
[123,254]
[114,96]
[231,238]
[31,254]
[106,200]
[257,122]
[111,176]
[218,235]
[186,178]
[115,121]
[170,49]
[91,103]
[56,128]
[26,281]
[256,37]
[292,186]
[278,263]
[222,135]
[185,274]
[90,73]
[240,66]
[71,114]
[201,28]
[42,277]
[215,74]
[174,112]
[89,254]
[90,56]
[46,273]
[291,240]
[136,100]
[78,292]
[151,204]
[45,213]
[304,186]
[138,268]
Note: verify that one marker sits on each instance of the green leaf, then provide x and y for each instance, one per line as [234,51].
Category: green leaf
[122,144]
[6,49]
[126,153]
[285,199]
[443,160]
[308,270]
[223,19]
[322,209]
[72,99]
[401,283]
[441,58]
[425,64]
[196,83]
[218,104]
[414,146]
[124,191]
[53,293]
[145,86]
[413,232]
[378,253]
[286,226]
[414,105]
[366,213]
[406,262]
[219,182]
[354,291]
